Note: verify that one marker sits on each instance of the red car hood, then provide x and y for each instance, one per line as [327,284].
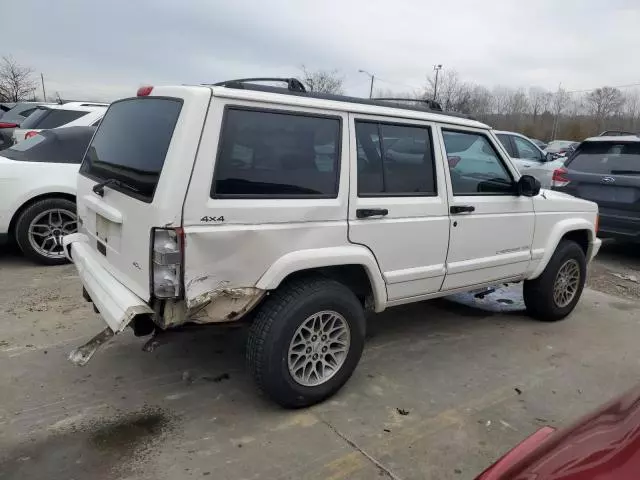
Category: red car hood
[602,445]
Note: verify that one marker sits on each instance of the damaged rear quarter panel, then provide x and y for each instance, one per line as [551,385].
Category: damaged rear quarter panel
[223,264]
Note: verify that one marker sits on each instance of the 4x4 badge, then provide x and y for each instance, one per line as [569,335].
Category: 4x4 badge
[608,179]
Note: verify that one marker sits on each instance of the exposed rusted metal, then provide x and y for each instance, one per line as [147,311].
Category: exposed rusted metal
[81,355]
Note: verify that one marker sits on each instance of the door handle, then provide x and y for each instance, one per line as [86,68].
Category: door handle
[371,212]
[462,209]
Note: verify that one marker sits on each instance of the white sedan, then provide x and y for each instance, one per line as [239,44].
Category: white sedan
[38,191]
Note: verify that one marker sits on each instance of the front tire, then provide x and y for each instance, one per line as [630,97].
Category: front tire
[306,341]
[40,228]
[554,294]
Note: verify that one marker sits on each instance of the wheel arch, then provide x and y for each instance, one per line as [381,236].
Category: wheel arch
[578,230]
[33,200]
[352,265]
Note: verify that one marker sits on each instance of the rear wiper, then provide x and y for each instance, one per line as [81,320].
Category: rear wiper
[625,172]
[98,188]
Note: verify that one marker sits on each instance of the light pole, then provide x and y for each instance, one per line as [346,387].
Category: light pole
[437,68]
[372,78]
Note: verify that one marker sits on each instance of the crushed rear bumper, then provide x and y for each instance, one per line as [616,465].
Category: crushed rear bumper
[117,305]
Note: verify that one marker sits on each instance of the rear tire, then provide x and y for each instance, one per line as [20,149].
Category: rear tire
[305,326]
[554,294]
[50,218]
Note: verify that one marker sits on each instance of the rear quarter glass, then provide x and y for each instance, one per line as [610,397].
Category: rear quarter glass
[131,144]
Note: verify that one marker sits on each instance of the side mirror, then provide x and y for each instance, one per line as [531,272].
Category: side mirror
[528,186]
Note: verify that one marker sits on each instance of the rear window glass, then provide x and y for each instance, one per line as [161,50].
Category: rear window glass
[607,158]
[277,155]
[44,118]
[131,144]
[65,145]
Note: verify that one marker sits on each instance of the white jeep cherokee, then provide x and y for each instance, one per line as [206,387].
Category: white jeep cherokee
[298,212]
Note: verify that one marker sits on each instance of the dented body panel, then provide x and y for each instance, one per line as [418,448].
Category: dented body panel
[217,306]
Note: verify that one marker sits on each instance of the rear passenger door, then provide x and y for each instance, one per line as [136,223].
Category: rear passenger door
[397,204]
[269,180]
[491,226]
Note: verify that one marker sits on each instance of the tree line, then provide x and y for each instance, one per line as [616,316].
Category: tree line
[536,112]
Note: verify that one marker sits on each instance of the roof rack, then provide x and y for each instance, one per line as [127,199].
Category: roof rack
[293,84]
[296,88]
[432,104]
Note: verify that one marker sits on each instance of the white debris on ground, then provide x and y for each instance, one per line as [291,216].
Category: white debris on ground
[503,298]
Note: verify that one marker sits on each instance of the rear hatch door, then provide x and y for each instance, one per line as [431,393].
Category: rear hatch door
[144,148]
[607,173]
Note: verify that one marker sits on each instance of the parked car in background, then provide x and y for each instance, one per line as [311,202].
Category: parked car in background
[37,193]
[616,133]
[13,118]
[541,145]
[606,170]
[311,217]
[528,157]
[603,445]
[71,114]
[5,107]
[561,148]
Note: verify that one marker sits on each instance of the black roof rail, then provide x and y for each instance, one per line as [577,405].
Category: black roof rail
[247,84]
[293,84]
[432,104]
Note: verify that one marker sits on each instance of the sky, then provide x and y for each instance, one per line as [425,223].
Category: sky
[106,49]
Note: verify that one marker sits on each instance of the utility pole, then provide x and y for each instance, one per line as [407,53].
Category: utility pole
[44,93]
[437,68]
[372,79]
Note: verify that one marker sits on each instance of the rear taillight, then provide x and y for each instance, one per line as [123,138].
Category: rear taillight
[166,262]
[30,134]
[8,125]
[559,178]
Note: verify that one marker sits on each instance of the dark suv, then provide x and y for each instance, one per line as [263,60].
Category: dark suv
[606,170]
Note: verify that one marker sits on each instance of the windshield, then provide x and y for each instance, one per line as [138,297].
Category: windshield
[607,158]
[131,144]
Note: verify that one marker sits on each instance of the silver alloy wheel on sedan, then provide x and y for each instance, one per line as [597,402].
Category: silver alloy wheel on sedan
[47,229]
[566,283]
[319,348]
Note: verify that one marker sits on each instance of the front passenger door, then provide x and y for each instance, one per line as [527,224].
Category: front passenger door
[491,226]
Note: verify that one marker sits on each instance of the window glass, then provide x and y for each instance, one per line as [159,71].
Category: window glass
[278,155]
[505,140]
[62,145]
[26,113]
[131,144]
[607,158]
[394,160]
[45,118]
[526,149]
[475,166]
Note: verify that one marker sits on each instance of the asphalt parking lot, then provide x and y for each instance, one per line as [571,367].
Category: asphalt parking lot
[442,390]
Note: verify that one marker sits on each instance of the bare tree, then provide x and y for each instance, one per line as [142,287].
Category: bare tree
[322,81]
[632,109]
[16,81]
[539,100]
[480,101]
[604,102]
[501,96]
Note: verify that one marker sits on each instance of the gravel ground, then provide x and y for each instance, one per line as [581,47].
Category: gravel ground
[616,270]
[441,392]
